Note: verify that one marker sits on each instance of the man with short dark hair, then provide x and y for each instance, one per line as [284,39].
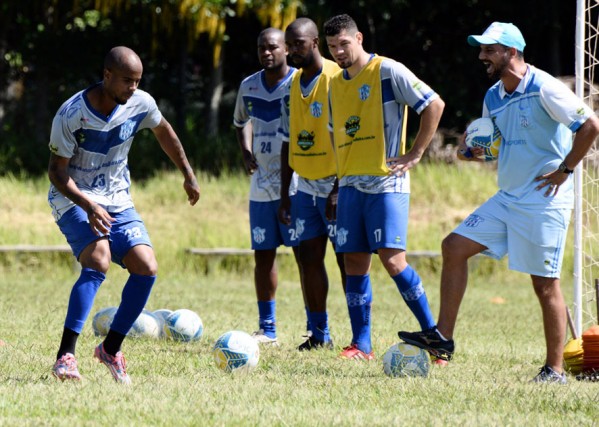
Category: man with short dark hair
[308,152]
[91,200]
[528,217]
[369,101]
[256,118]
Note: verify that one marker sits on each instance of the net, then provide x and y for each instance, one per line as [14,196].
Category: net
[586,233]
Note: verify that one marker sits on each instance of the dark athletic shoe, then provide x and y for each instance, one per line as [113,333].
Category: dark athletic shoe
[430,341]
[548,375]
[313,344]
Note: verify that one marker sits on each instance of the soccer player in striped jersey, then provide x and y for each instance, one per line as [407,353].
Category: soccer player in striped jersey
[368,112]
[91,135]
[256,118]
[308,152]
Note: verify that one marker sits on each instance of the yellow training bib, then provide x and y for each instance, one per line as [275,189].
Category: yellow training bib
[358,130]
[311,153]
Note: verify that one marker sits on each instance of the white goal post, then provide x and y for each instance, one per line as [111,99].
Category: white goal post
[586,176]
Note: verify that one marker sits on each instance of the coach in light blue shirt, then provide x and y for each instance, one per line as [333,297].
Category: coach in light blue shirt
[528,217]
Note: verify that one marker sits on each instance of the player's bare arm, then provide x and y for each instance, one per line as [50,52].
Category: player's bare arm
[284,211]
[171,145]
[99,220]
[331,208]
[583,140]
[244,137]
[429,121]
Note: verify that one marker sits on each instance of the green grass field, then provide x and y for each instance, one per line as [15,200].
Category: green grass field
[499,338]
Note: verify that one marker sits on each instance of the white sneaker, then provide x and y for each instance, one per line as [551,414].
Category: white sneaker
[262,338]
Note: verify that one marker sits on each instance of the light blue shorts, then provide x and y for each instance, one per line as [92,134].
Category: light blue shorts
[311,220]
[368,222]
[266,229]
[126,232]
[534,239]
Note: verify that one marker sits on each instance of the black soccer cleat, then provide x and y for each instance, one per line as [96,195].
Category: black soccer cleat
[548,375]
[431,341]
[313,344]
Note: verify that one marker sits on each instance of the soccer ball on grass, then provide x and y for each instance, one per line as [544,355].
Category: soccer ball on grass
[236,351]
[183,325]
[147,325]
[102,321]
[405,360]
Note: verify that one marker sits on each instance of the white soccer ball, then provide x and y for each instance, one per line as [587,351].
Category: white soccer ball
[405,360]
[183,325]
[484,134]
[236,351]
[147,325]
[162,313]
[102,321]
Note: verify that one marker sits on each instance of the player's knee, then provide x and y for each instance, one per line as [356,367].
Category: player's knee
[451,248]
[152,268]
[96,261]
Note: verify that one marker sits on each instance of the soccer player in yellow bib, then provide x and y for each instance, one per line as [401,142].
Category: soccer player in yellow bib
[368,102]
[307,150]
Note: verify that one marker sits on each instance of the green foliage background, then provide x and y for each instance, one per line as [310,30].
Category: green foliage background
[51,49]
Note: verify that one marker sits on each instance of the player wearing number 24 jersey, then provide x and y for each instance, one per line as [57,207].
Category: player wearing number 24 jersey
[256,119]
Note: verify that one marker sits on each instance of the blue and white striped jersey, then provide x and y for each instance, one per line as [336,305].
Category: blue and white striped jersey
[97,147]
[262,105]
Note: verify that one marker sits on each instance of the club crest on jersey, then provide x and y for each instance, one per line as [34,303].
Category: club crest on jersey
[352,125]
[364,92]
[300,226]
[316,109]
[259,234]
[341,236]
[524,121]
[305,140]
[126,130]
[473,221]
[80,136]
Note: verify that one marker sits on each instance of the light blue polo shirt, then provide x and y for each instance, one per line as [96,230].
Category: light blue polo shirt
[536,122]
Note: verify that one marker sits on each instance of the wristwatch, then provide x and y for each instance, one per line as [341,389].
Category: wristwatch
[563,168]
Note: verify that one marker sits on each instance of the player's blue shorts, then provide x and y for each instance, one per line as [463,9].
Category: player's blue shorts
[126,232]
[311,220]
[266,229]
[534,239]
[368,222]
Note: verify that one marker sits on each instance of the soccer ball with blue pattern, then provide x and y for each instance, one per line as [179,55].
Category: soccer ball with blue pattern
[183,325]
[102,321]
[484,134]
[236,351]
[405,360]
[147,325]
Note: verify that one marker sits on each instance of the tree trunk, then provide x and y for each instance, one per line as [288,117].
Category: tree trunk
[216,86]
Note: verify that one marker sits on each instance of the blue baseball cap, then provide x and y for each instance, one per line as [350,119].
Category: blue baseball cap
[500,32]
